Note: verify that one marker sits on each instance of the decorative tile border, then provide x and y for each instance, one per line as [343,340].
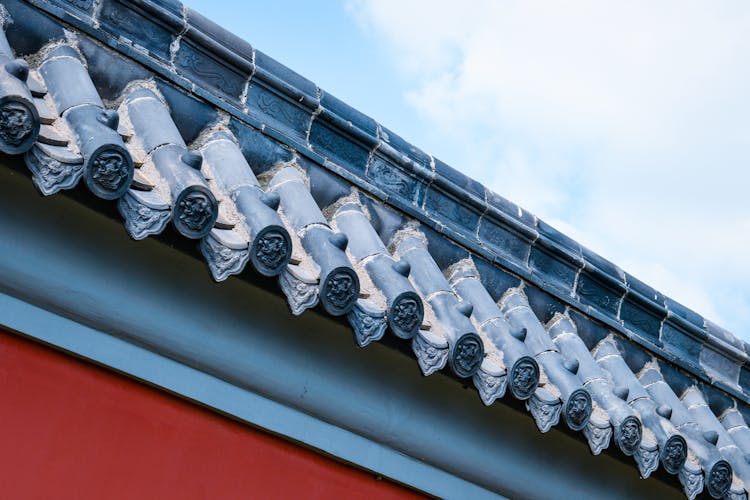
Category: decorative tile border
[227,72]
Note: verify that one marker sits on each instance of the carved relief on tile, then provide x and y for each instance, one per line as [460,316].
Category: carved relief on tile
[110,169]
[53,173]
[628,435]
[431,352]
[647,458]
[367,321]
[524,377]
[719,479]
[578,409]
[224,260]
[545,408]
[674,453]
[691,478]
[142,220]
[467,355]
[17,123]
[490,386]
[300,288]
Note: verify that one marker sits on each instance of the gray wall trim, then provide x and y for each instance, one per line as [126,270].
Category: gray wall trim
[229,399]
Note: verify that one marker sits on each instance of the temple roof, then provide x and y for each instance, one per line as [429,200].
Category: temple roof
[178,122]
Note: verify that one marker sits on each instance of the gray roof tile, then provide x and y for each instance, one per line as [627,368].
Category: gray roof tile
[717,469]
[405,310]
[560,371]
[19,118]
[107,164]
[339,283]
[523,369]
[466,347]
[270,246]
[626,422]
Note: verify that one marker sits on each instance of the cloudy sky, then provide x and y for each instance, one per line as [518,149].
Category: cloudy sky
[624,124]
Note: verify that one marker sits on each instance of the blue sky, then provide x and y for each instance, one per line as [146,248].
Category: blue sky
[625,125]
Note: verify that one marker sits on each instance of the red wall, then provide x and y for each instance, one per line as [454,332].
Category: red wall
[69,429]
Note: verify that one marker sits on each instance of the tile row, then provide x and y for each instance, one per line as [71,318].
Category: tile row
[245,202]
[204,57]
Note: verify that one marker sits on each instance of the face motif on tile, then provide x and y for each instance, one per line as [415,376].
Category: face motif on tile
[222,260]
[524,378]
[368,323]
[674,454]
[195,211]
[467,355]
[406,314]
[301,293]
[340,290]
[51,175]
[16,123]
[109,170]
[578,409]
[720,479]
[629,435]
[271,250]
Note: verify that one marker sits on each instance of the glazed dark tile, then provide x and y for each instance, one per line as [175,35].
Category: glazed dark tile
[625,421]
[270,246]
[404,308]
[145,26]
[466,348]
[339,283]
[560,371]
[107,164]
[673,445]
[19,118]
[194,207]
[523,376]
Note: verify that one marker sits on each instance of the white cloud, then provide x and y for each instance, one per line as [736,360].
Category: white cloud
[625,123]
